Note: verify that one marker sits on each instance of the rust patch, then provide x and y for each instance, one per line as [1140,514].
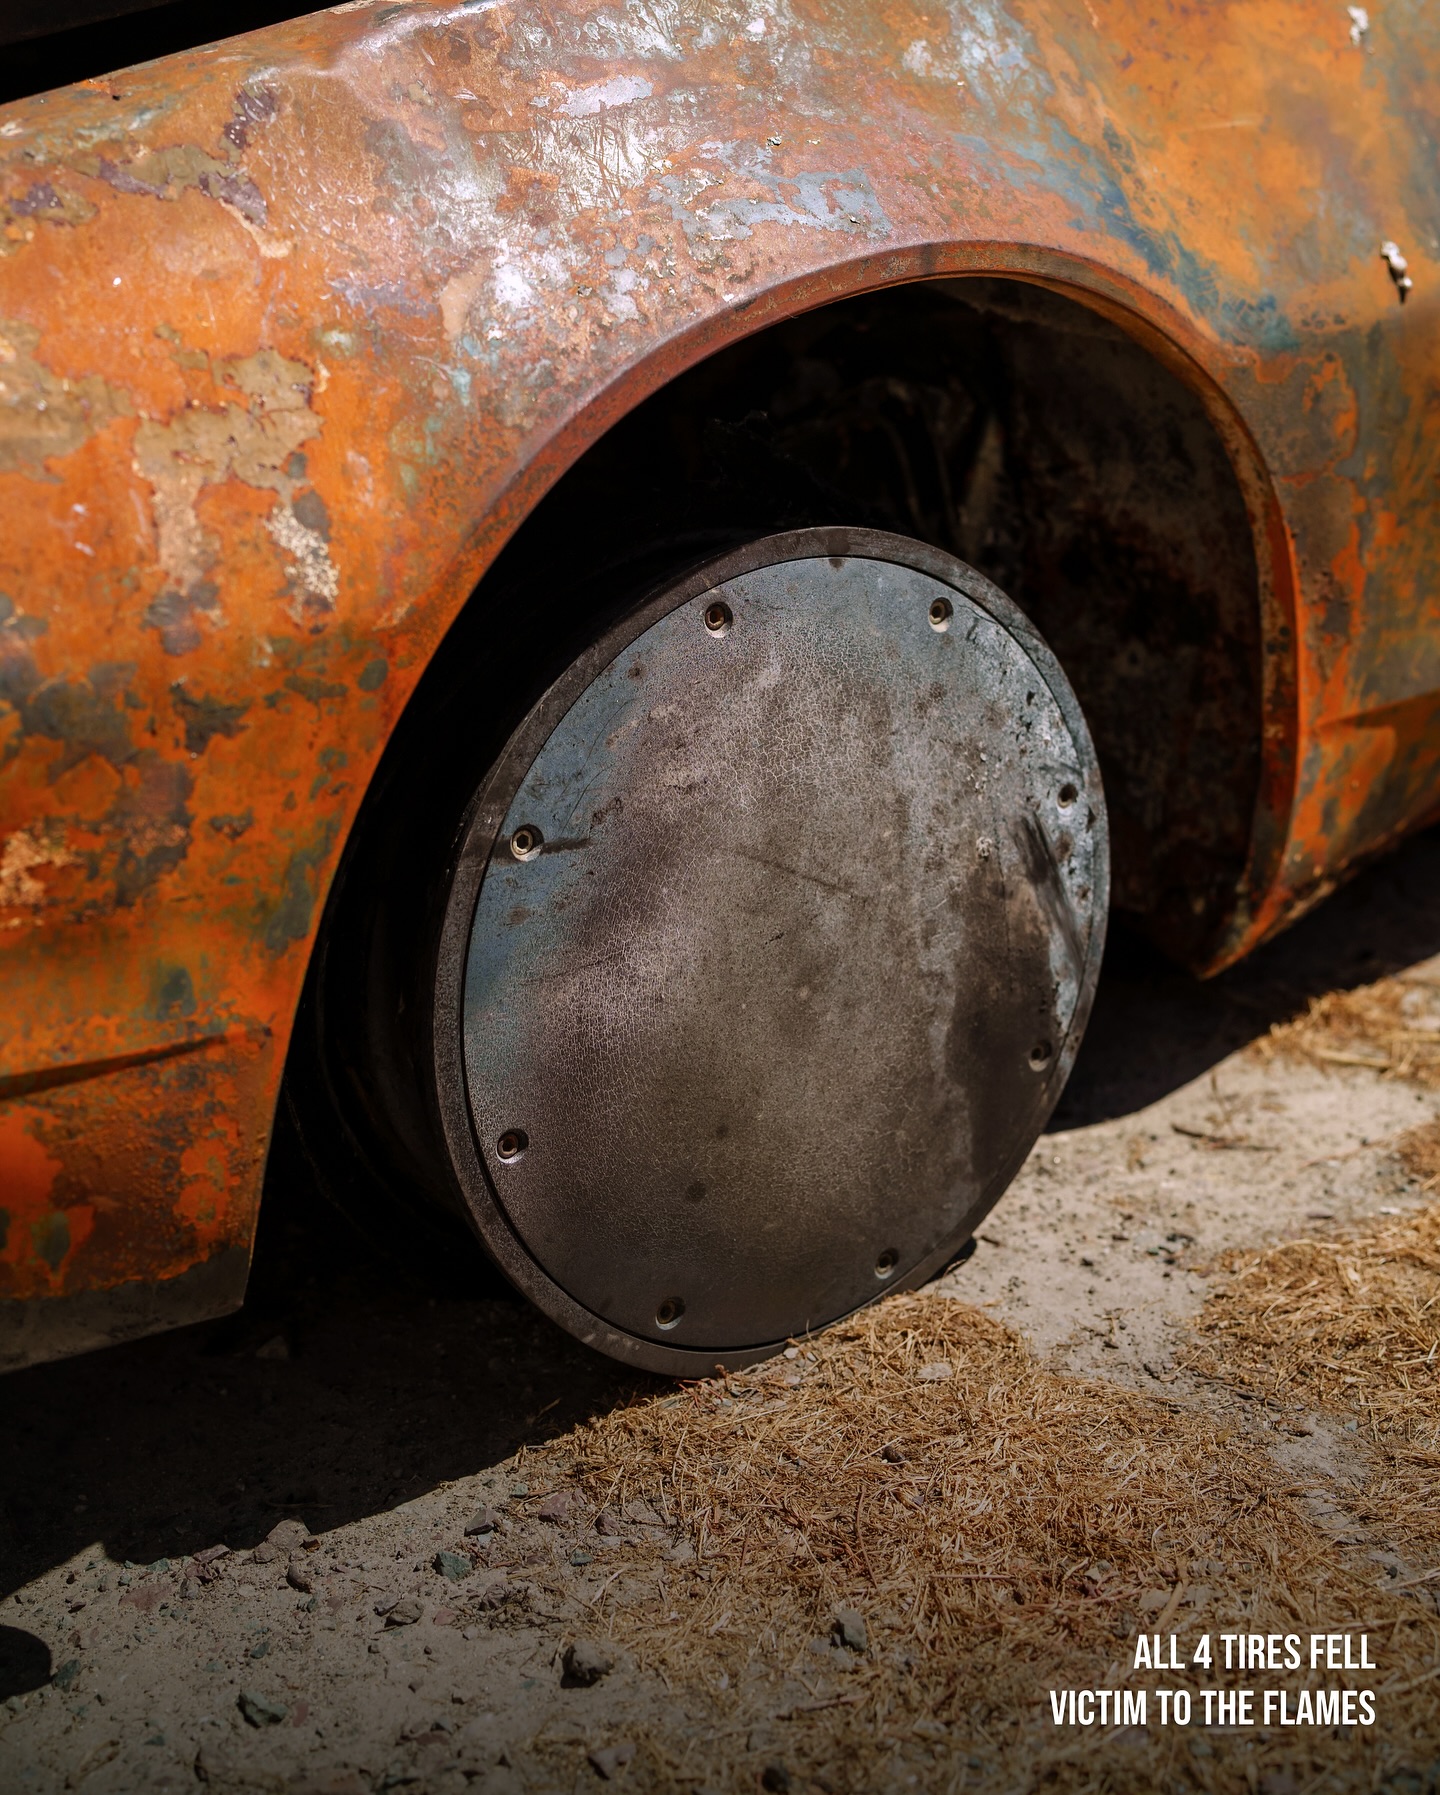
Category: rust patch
[139,1173]
[30,1176]
[152,821]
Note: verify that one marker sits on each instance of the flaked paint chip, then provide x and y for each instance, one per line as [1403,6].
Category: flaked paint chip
[312,572]
[20,858]
[1399,269]
[600,96]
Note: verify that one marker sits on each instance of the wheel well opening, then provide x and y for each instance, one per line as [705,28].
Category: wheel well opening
[1023,432]
[996,420]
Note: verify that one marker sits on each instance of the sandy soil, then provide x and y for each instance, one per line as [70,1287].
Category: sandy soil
[338,1436]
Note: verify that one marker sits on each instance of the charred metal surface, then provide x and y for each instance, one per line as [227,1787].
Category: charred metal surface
[768,947]
[295,330]
[1018,430]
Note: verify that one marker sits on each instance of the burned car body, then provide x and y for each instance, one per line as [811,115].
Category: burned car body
[303,333]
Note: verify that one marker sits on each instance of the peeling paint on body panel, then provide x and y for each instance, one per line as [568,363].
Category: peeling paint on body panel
[45,415]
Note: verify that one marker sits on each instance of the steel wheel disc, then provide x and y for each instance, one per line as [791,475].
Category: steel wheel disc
[769,946]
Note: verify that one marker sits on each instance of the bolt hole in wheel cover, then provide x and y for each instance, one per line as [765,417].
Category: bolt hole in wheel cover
[771,938]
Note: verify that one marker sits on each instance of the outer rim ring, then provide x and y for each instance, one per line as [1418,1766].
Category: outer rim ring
[476,844]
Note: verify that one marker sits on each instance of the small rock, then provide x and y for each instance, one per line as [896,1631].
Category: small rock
[642,1514]
[288,1534]
[189,1589]
[892,1454]
[609,1523]
[209,1564]
[405,1612]
[454,1566]
[64,1678]
[938,1371]
[385,1604]
[556,1506]
[610,1760]
[584,1663]
[1153,1600]
[775,1778]
[579,1558]
[499,1591]
[297,1575]
[258,1711]
[276,1348]
[848,1629]
[265,1553]
[484,1520]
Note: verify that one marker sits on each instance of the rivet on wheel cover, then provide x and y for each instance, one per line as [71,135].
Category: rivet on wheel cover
[790,901]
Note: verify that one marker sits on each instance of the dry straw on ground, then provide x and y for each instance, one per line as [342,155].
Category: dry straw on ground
[1003,1530]
[1352,1326]
[1391,1027]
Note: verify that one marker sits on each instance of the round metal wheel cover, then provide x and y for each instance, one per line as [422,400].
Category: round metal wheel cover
[769,947]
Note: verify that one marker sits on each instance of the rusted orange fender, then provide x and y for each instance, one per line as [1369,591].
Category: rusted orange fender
[295,330]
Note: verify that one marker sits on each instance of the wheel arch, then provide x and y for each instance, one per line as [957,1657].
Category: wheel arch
[548,478]
[1165,334]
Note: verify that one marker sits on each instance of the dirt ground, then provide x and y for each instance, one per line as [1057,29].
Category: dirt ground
[1186,1382]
